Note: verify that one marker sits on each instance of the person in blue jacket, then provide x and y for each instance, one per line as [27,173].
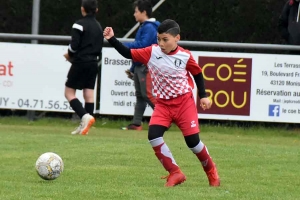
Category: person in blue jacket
[145,36]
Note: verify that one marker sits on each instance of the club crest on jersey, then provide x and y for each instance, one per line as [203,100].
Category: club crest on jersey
[177,63]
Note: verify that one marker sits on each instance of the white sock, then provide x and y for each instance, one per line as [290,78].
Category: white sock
[198,148]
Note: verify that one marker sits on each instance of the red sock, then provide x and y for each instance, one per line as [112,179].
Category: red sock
[205,159]
[164,155]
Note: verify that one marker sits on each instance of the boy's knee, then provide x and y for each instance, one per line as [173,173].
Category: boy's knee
[192,140]
[156,131]
[69,94]
[88,95]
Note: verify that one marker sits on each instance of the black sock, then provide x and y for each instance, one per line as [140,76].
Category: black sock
[77,107]
[89,107]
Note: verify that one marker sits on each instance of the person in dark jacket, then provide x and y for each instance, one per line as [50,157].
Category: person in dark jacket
[145,36]
[289,23]
[83,52]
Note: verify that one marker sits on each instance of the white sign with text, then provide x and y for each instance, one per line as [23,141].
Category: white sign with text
[242,86]
[33,76]
[117,93]
[251,87]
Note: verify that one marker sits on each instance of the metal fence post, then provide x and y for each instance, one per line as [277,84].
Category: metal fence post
[34,30]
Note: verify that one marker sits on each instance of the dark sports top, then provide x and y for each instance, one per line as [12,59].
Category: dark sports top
[87,40]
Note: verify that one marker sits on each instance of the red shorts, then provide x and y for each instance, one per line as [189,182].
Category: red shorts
[181,110]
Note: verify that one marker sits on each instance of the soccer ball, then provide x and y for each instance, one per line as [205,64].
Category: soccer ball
[49,166]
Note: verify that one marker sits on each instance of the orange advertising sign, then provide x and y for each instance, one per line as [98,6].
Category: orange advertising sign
[228,84]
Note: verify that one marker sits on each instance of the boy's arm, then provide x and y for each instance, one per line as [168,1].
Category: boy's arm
[147,36]
[199,80]
[123,50]
[137,55]
[77,30]
[205,102]
[196,71]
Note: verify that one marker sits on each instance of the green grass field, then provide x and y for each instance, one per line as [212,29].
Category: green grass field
[253,163]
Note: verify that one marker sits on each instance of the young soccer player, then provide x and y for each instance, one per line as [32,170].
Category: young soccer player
[170,67]
[84,49]
[146,36]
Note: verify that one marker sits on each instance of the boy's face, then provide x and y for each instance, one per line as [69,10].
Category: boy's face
[167,42]
[139,16]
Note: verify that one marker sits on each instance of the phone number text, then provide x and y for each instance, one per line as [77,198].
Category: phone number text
[37,104]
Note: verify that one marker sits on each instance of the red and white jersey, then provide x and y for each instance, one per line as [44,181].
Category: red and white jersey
[169,72]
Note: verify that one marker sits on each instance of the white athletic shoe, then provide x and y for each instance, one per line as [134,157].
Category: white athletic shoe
[77,130]
[86,122]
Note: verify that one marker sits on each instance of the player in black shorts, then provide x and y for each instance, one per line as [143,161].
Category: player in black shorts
[83,52]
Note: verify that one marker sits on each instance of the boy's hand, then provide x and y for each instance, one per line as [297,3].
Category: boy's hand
[205,103]
[108,33]
[66,55]
[129,74]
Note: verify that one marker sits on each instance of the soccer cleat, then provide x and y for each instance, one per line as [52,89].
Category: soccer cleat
[86,122]
[132,127]
[77,130]
[174,178]
[213,177]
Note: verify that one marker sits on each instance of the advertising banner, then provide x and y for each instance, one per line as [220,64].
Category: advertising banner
[33,76]
[117,93]
[241,86]
[251,87]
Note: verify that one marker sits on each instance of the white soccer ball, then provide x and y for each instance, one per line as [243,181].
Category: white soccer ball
[49,166]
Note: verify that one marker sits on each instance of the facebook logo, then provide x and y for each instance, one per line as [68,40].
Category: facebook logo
[274,110]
